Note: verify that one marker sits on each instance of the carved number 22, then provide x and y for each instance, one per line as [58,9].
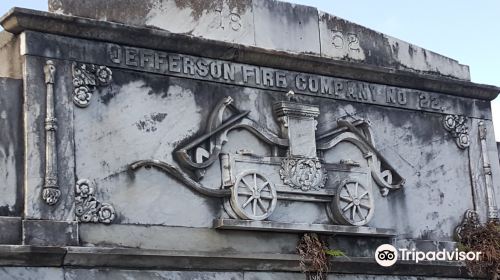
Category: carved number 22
[233,20]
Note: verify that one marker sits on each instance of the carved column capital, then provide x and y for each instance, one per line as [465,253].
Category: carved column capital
[50,71]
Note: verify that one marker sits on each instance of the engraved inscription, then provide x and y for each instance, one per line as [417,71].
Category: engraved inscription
[228,21]
[426,101]
[273,79]
[345,41]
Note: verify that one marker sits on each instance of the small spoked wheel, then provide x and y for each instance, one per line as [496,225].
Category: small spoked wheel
[353,204]
[253,196]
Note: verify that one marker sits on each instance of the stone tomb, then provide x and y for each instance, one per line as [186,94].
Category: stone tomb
[188,140]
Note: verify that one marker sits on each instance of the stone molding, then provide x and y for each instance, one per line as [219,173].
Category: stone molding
[19,20]
[22,255]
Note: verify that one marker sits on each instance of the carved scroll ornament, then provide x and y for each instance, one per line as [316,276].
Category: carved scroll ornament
[86,78]
[457,126]
[87,208]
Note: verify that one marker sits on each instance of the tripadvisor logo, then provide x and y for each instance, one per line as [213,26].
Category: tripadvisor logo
[387,255]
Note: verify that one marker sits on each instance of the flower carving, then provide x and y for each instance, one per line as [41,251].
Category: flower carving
[104,75]
[457,126]
[86,78]
[305,174]
[106,213]
[82,96]
[87,208]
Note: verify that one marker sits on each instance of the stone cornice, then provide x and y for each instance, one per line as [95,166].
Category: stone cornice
[18,20]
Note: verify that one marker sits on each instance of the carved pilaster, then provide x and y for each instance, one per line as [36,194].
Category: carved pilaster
[50,192]
[457,126]
[87,208]
[490,195]
[86,78]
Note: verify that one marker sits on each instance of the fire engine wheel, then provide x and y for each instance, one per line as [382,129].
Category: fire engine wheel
[352,204]
[253,196]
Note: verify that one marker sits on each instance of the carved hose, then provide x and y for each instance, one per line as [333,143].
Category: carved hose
[181,176]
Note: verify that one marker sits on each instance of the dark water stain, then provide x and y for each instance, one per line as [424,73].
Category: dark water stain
[148,124]
[199,7]
[432,216]
[158,117]
[5,210]
[109,94]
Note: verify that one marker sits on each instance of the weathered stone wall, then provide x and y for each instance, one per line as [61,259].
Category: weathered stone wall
[9,56]
[125,153]
[272,25]
[147,116]
[11,161]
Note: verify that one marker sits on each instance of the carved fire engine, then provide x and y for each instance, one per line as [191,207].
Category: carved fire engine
[295,169]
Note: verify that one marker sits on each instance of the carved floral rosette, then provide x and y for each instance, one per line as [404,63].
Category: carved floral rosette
[86,78]
[87,208]
[457,126]
[303,173]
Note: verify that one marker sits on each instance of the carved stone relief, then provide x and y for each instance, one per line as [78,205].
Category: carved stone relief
[50,192]
[301,175]
[358,133]
[87,208]
[457,126]
[86,78]
[352,204]
[304,174]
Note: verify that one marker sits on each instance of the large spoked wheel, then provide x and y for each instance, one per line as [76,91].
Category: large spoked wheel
[253,196]
[353,204]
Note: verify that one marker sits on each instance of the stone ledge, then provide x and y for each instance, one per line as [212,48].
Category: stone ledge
[39,233]
[297,227]
[25,255]
[131,258]
[19,20]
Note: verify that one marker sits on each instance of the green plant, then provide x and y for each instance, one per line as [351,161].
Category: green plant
[335,253]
